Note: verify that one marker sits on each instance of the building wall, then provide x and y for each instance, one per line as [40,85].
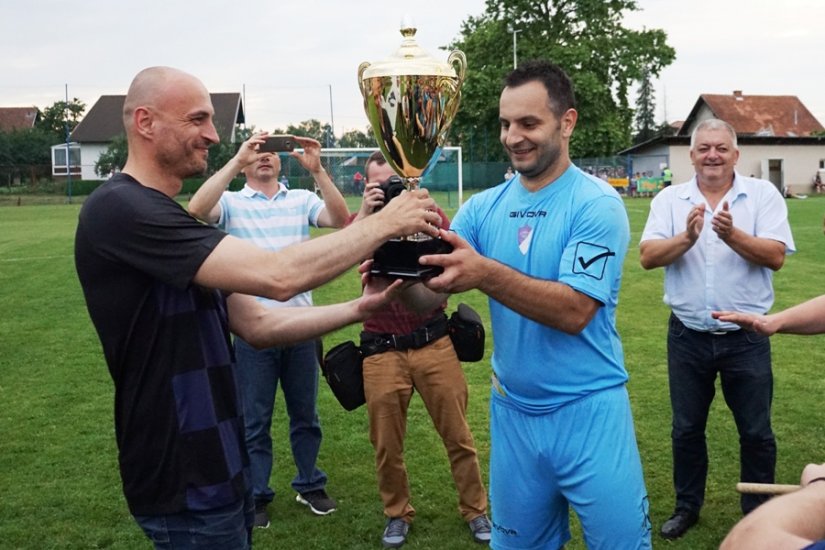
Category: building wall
[652,161]
[799,163]
[89,153]
[680,163]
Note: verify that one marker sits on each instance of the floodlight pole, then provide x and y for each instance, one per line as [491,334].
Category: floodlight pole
[515,48]
[68,157]
[331,119]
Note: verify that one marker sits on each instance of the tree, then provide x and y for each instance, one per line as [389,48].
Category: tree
[113,158]
[25,152]
[55,118]
[223,152]
[327,137]
[645,110]
[586,38]
[357,138]
[314,129]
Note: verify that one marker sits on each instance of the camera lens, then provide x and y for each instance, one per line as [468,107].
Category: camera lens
[392,187]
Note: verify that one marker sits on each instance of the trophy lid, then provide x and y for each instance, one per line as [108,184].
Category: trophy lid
[409,59]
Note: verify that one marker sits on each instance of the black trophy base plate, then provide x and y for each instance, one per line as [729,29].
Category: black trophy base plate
[398,258]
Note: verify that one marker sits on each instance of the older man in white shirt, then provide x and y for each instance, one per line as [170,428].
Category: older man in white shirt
[720,237]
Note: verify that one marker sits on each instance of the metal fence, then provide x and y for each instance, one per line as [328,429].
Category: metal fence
[23,179]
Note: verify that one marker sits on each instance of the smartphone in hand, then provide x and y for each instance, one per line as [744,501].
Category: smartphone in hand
[278,144]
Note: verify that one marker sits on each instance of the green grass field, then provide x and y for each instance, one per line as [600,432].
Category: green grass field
[59,484]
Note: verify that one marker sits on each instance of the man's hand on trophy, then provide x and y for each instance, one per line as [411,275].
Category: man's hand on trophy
[409,213]
[463,267]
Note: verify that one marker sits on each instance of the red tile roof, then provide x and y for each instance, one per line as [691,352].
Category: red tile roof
[761,115]
[17,118]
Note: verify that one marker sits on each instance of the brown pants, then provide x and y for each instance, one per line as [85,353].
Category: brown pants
[435,372]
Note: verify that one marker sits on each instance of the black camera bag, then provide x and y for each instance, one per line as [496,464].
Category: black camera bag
[342,368]
[467,333]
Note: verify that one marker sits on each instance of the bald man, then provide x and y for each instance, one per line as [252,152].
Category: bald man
[164,290]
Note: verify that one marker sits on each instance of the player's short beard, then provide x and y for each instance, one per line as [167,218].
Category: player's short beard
[547,157]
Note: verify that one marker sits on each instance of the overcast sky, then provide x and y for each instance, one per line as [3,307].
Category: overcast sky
[286,57]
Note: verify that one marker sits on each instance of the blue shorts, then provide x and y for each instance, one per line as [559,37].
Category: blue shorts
[582,455]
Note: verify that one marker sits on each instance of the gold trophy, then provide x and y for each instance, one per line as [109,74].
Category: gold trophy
[410,100]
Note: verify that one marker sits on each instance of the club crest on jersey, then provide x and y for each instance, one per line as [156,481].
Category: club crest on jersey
[525,236]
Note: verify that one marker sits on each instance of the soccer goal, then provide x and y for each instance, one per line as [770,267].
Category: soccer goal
[346,168]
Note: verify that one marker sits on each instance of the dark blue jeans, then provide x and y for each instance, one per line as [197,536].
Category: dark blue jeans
[259,371]
[225,528]
[743,361]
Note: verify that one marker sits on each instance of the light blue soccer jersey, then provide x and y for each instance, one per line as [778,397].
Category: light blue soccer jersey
[574,231]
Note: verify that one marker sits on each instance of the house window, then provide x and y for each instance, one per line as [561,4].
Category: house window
[59,167]
[822,164]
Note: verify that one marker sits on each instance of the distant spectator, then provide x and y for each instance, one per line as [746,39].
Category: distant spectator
[632,184]
[284,181]
[667,177]
[818,183]
[357,182]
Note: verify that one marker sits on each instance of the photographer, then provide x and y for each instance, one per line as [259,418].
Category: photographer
[422,360]
[378,193]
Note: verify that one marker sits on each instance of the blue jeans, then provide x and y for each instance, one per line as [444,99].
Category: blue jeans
[259,371]
[743,361]
[225,528]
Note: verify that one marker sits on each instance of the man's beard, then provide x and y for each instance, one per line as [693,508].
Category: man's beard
[183,166]
[545,159]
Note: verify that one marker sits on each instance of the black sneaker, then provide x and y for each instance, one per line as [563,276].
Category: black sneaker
[395,533]
[318,501]
[261,516]
[481,529]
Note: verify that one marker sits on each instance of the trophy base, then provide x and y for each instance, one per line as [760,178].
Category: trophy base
[398,258]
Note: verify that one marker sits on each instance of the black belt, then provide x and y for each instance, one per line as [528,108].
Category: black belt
[720,332]
[372,342]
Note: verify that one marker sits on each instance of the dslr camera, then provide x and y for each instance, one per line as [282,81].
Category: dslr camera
[392,187]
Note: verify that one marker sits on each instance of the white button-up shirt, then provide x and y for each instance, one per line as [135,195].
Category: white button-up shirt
[711,275]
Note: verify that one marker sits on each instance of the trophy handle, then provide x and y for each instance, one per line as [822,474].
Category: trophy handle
[458,61]
[361,83]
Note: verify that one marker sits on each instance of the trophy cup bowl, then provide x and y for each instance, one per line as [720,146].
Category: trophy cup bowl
[410,100]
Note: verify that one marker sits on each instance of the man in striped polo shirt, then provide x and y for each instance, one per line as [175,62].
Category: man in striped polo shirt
[272,216]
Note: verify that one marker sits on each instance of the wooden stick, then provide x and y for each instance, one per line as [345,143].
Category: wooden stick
[765,488]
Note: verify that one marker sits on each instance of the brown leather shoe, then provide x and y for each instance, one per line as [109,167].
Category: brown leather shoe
[678,524]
